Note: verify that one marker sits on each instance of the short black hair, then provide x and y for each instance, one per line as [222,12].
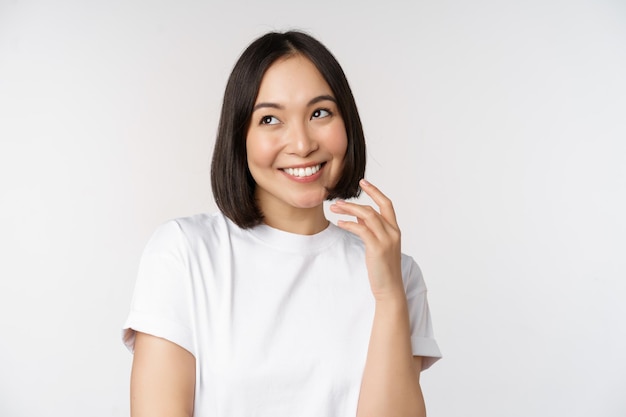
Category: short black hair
[232,184]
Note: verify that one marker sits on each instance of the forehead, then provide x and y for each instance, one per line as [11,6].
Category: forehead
[292,78]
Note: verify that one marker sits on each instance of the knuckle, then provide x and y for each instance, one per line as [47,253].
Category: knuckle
[370,212]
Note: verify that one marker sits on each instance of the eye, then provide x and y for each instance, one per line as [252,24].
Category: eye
[321,113]
[269,120]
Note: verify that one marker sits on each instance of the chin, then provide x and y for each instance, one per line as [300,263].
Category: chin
[310,202]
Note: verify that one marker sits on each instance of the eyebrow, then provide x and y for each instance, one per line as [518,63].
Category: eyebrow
[311,102]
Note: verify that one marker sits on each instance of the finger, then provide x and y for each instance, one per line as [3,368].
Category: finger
[359,229]
[382,201]
[365,215]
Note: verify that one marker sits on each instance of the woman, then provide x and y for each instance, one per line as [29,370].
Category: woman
[266,308]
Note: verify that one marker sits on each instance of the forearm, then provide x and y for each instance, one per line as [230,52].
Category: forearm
[390,385]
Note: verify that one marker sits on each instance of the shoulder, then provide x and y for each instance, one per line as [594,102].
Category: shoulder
[411,272]
[348,239]
[184,233]
[412,276]
[202,224]
[409,266]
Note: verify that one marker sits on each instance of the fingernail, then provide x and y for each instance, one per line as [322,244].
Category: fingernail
[364,182]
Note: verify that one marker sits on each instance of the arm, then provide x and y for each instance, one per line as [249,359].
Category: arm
[390,384]
[162,380]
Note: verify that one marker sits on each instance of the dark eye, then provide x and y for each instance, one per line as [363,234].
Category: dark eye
[320,113]
[269,120]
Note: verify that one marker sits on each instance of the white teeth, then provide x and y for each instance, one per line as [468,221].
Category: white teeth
[303,172]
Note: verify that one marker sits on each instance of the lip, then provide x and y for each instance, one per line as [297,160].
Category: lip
[308,179]
[309,164]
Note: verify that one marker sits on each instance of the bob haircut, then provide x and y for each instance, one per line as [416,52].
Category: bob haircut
[232,184]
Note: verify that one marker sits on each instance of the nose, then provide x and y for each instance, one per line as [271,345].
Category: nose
[300,141]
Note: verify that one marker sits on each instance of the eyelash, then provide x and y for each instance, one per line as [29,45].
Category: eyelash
[266,120]
[321,110]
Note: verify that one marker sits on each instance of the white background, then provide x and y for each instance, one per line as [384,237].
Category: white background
[498,129]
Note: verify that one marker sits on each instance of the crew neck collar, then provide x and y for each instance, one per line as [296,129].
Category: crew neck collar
[293,242]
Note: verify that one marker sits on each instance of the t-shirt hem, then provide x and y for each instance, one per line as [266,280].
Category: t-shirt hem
[427,348]
[156,326]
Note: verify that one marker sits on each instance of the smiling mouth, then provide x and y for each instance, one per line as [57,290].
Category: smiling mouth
[303,172]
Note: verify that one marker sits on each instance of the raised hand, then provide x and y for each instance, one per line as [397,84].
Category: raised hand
[381,235]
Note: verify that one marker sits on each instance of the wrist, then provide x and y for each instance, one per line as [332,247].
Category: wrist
[392,313]
[394,298]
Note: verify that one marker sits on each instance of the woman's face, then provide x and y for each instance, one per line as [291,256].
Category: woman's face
[297,139]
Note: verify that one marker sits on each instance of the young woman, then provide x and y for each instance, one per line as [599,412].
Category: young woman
[266,308]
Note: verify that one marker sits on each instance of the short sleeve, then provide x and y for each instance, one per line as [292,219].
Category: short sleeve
[422,336]
[160,303]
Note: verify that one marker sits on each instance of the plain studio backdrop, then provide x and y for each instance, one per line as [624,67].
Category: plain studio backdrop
[497,128]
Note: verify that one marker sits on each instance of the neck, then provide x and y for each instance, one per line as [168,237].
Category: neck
[300,221]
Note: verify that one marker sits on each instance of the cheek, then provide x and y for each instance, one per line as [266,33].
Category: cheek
[259,150]
[338,146]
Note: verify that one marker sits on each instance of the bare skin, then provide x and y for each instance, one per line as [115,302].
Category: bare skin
[390,385]
[163,375]
[295,124]
[163,379]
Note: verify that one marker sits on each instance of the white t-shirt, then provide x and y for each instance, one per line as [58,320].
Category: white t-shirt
[278,323]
